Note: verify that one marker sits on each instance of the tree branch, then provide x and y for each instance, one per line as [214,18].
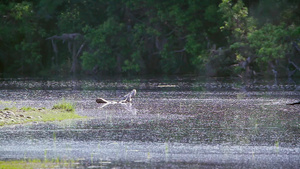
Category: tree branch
[65,36]
[179,51]
[296,46]
[80,49]
[297,67]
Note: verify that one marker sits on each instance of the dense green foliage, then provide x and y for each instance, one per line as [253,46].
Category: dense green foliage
[206,37]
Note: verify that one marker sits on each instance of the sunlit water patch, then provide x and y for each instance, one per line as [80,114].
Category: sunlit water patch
[114,153]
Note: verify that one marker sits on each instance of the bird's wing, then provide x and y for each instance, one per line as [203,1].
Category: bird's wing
[129,95]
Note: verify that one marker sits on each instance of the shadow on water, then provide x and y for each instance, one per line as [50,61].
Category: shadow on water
[171,123]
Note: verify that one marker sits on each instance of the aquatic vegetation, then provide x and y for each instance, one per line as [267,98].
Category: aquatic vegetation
[60,111]
[64,105]
[5,102]
[28,108]
[37,163]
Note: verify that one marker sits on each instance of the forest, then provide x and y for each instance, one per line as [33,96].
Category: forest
[247,38]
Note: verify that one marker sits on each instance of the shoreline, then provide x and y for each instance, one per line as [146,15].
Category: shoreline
[24,115]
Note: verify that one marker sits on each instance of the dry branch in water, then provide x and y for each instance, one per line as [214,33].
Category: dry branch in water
[126,99]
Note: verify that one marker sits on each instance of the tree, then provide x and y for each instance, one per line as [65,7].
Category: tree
[150,37]
[20,36]
[73,40]
[264,49]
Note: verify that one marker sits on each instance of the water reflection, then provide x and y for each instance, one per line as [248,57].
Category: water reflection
[126,106]
[176,123]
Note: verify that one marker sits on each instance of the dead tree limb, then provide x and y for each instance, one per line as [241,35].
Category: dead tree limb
[297,67]
[73,39]
[126,99]
[293,103]
[296,46]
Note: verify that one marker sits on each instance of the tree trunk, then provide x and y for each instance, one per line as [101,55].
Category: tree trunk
[74,59]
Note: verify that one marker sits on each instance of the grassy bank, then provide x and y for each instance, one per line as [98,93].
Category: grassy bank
[60,111]
[36,163]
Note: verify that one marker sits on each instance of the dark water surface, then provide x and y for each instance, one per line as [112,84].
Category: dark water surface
[171,123]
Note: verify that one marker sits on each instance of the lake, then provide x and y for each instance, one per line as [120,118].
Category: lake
[173,122]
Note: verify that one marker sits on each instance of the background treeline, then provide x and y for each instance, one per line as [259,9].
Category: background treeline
[205,37]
